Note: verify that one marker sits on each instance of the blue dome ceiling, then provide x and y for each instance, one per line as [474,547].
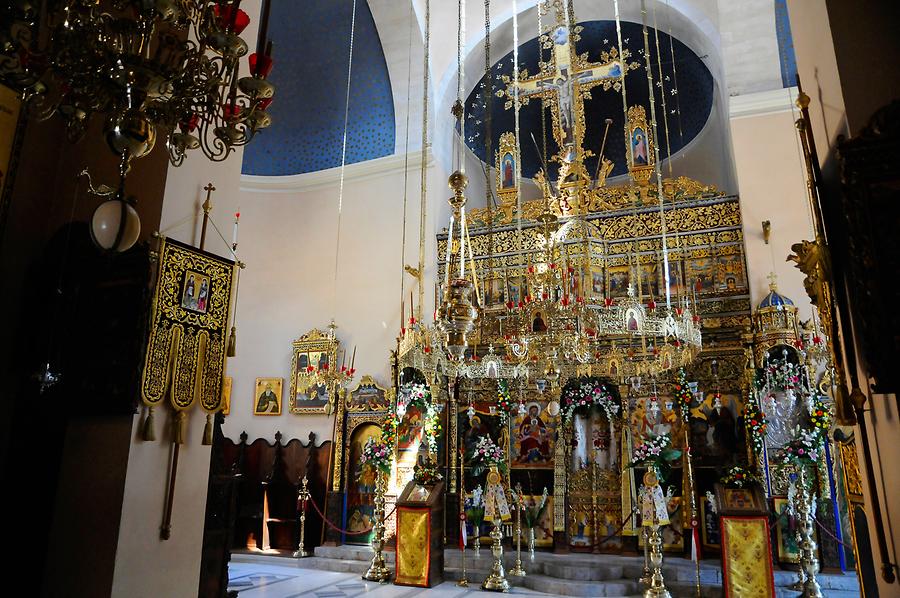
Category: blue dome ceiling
[694,98]
[311,41]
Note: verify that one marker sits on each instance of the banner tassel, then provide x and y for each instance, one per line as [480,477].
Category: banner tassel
[148,433]
[208,430]
[232,342]
[180,427]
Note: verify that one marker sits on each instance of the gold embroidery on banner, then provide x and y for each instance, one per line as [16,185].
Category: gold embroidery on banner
[186,349]
[412,546]
[747,559]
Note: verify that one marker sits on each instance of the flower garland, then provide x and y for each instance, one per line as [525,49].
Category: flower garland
[755,421]
[738,477]
[377,455]
[804,448]
[505,403]
[683,395]
[581,394]
[820,416]
[783,375]
[389,429]
[417,395]
[485,455]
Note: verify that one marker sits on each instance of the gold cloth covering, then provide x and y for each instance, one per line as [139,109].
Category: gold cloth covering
[747,557]
[413,546]
[186,349]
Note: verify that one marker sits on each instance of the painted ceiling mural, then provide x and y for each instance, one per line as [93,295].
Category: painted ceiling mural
[688,110]
[311,50]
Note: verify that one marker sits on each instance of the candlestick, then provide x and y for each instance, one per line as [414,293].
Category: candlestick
[353,359]
[234,236]
[263,27]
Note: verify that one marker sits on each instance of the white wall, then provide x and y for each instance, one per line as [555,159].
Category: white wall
[147,567]
[288,240]
[772,186]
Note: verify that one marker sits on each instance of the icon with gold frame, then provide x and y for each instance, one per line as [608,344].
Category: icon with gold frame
[640,149]
[312,352]
[507,174]
[369,396]
[267,396]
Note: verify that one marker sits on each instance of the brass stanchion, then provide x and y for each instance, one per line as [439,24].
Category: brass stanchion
[303,499]
[809,561]
[464,580]
[657,587]
[496,580]
[518,570]
[377,570]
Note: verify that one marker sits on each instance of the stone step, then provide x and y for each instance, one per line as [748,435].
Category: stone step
[585,573]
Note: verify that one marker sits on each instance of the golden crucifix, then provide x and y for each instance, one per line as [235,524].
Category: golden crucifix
[566,81]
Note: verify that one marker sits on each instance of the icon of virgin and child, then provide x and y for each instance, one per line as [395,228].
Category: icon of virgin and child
[533,437]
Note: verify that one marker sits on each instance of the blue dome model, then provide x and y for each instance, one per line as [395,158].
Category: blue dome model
[775,299]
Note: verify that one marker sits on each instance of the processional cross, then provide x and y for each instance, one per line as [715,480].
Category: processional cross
[566,80]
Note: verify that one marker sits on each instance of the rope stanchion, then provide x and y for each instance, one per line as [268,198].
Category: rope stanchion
[345,531]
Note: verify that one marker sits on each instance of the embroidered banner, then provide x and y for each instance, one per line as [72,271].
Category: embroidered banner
[413,546]
[186,348]
[747,557]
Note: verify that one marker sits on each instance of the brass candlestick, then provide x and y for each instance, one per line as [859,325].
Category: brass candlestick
[464,580]
[517,569]
[377,570]
[302,498]
[496,580]
[657,587]
[645,574]
[809,561]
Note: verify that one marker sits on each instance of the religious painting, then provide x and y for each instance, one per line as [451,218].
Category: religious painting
[619,277]
[313,352]
[739,501]
[507,164]
[710,535]
[597,281]
[714,428]
[494,291]
[731,273]
[267,396]
[581,528]
[368,396]
[532,443]
[538,324]
[639,151]
[663,419]
[701,274]
[640,145]
[514,290]
[226,395]
[786,528]
[410,430]
[543,527]
[360,486]
[650,279]
[195,292]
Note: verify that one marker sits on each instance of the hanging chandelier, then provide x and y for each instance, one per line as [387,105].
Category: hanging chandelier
[149,67]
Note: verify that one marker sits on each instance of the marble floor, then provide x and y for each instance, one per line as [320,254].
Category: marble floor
[264,580]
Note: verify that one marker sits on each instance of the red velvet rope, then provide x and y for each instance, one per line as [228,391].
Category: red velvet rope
[340,529]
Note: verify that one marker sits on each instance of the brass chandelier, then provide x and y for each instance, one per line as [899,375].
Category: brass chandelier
[169,67]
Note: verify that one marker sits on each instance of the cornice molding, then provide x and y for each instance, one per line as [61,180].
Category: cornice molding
[762,102]
[309,181]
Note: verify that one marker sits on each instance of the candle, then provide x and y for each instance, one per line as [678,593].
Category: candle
[234,236]
[402,314]
[234,13]
[353,359]
[263,28]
